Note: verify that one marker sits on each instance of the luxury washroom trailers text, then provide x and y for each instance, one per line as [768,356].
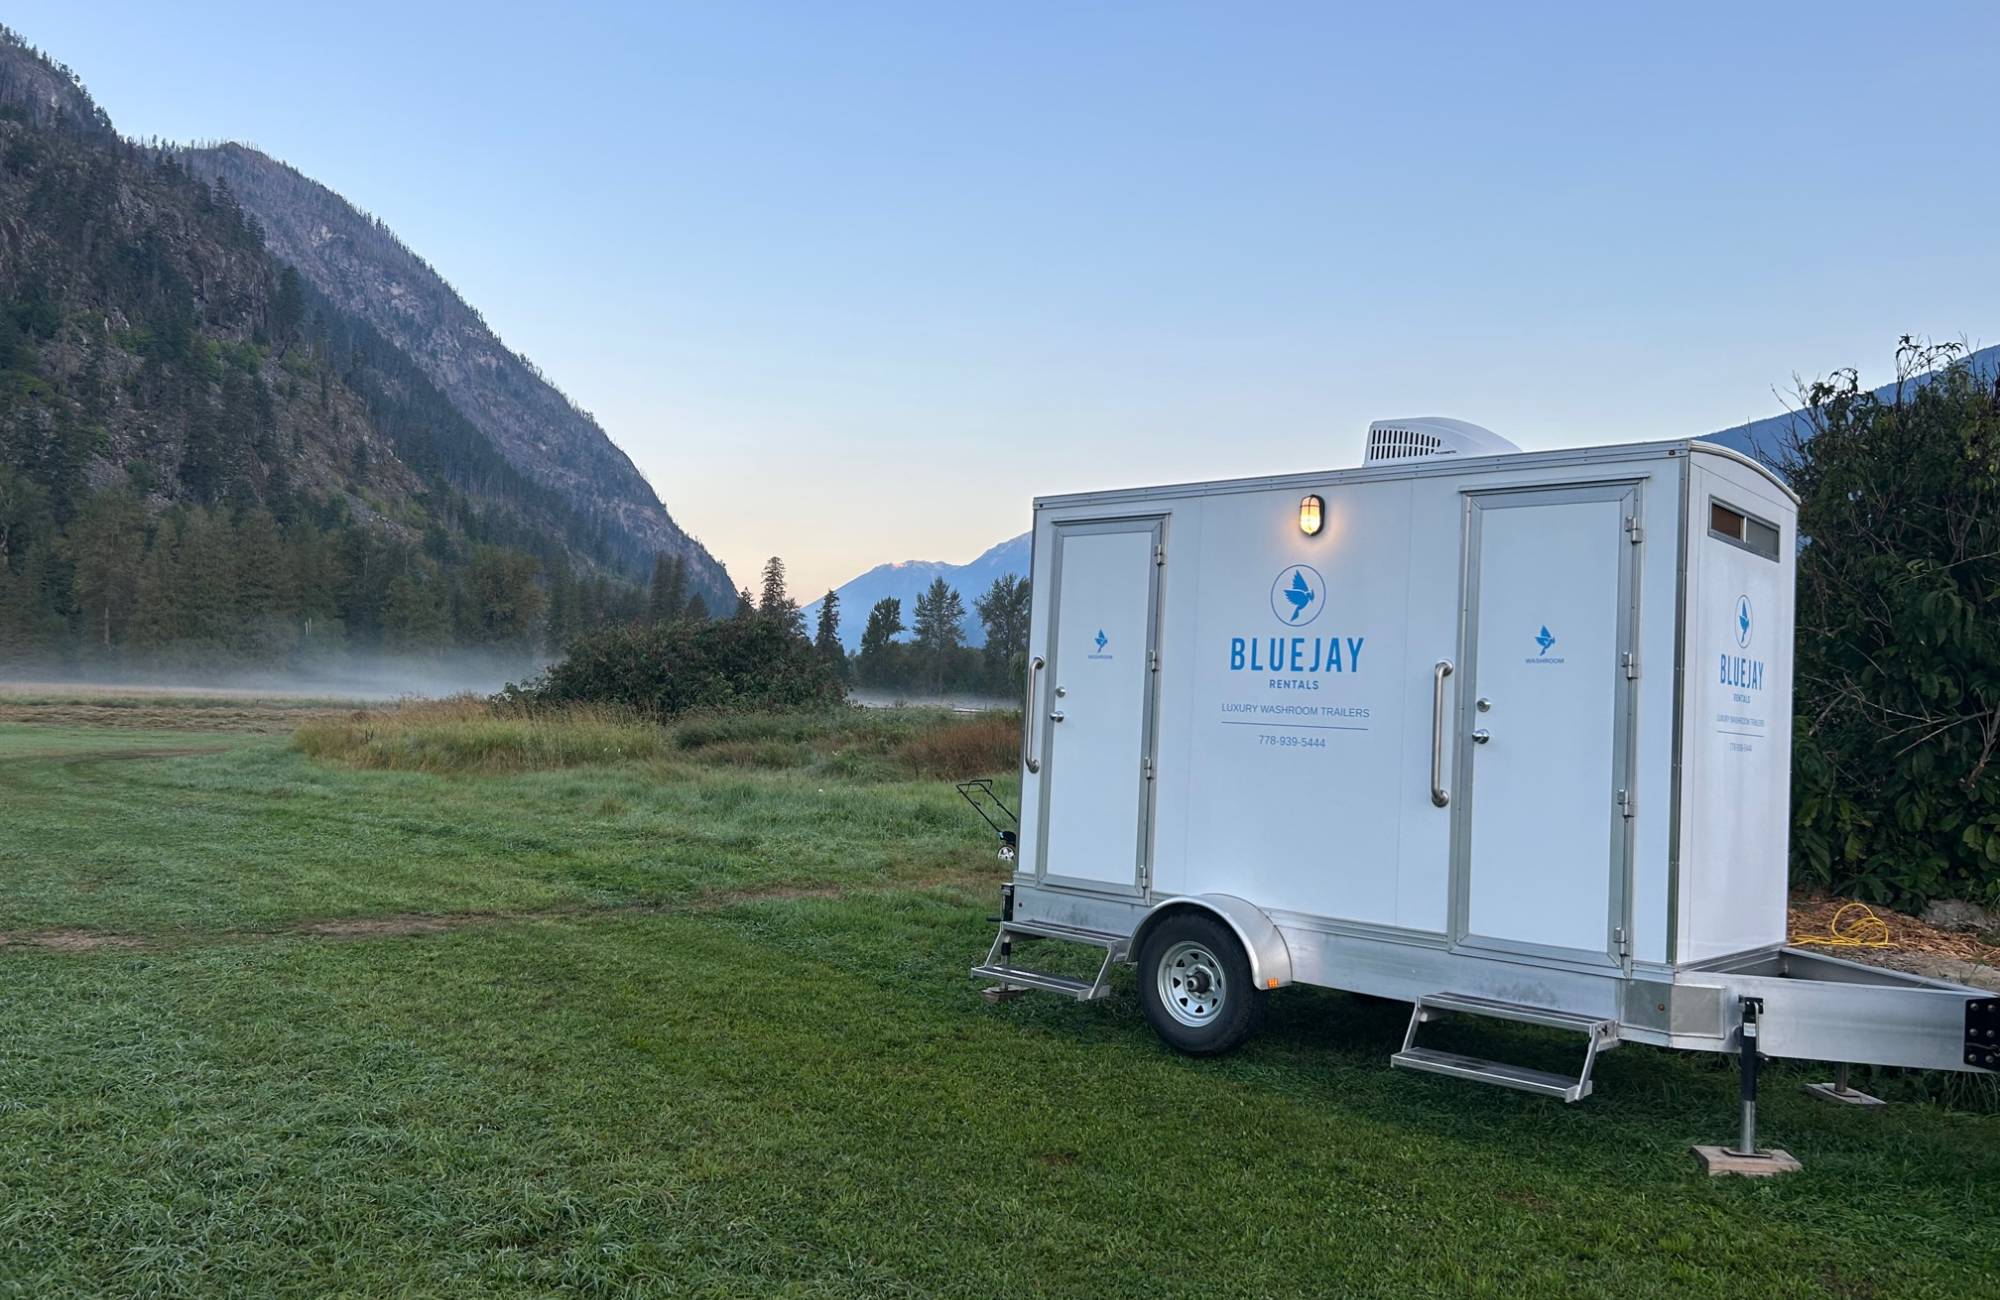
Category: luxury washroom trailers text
[1492,732]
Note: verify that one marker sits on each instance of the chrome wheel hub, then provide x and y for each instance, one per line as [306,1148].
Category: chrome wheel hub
[1191,984]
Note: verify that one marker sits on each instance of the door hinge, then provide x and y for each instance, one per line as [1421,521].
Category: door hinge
[1625,803]
[1153,660]
[1159,553]
[1635,529]
[1631,663]
[1146,766]
[1622,940]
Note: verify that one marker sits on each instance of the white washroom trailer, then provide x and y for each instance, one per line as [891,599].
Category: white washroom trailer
[1492,732]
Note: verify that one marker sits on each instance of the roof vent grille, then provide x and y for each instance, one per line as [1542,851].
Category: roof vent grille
[1431,435]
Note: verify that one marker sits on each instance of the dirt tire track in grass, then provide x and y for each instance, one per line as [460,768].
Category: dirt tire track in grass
[69,940]
[120,755]
[412,925]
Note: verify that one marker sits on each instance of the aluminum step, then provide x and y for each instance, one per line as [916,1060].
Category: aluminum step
[1432,1061]
[1067,933]
[1600,1035]
[1606,1031]
[999,963]
[1081,990]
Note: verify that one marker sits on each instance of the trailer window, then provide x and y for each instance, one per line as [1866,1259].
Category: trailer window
[1735,527]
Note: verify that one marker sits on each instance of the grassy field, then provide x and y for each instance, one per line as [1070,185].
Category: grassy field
[403,1008]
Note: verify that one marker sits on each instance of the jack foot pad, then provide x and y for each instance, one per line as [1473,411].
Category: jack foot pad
[1002,992]
[1761,1164]
[1845,1096]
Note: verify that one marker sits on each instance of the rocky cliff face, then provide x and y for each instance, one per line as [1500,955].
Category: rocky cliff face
[43,93]
[145,335]
[364,269]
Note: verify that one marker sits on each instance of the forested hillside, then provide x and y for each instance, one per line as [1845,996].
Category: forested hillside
[363,269]
[204,461]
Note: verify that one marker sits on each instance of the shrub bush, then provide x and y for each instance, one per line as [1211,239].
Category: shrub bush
[1895,796]
[667,669]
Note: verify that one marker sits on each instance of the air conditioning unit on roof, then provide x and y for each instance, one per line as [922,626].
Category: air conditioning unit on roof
[1431,435]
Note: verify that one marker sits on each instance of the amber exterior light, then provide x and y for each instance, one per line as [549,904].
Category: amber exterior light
[1312,511]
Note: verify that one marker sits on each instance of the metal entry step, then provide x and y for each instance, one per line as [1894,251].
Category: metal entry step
[1601,1036]
[999,963]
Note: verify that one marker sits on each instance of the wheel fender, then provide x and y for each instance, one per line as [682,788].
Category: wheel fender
[1270,958]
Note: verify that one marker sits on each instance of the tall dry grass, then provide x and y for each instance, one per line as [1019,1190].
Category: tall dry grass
[962,747]
[466,733]
[470,734]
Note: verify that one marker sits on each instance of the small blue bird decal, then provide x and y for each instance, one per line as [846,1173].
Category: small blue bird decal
[1102,640]
[1743,623]
[1545,638]
[1299,594]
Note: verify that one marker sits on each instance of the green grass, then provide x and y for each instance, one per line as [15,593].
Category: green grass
[701,1026]
[80,744]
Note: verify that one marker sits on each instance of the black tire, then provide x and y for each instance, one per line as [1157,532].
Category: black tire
[1200,947]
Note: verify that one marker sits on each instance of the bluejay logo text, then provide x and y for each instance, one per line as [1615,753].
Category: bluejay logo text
[1298,594]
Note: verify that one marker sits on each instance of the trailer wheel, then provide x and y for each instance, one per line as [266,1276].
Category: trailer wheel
[1194,982]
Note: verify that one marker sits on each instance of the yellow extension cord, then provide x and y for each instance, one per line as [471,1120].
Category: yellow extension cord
[1855,925]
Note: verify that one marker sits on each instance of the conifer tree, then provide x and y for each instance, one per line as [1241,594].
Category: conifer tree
[316,582]
[30,625]
[826,637]
[506,601]
[156,613]
[206,576]
[266,598]
[416,617]
[1004,612]
[776,604]
[874,663]
[940,630]
[107,545]
[666,599]
[561,622]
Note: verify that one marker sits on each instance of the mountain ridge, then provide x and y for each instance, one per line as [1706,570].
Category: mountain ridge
[904,579]
[360,264]
[207,463]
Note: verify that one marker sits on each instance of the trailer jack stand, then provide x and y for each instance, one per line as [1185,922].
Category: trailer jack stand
[1840,1092]
[1744,1158]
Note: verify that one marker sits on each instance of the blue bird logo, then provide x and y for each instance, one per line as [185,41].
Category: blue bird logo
[1299,594]
[1545,638]
[1743,621]
[1102,640]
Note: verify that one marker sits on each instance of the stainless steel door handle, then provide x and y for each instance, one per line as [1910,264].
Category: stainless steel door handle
[1439,671]
[1056,716]
[1481,736]
[1028,757]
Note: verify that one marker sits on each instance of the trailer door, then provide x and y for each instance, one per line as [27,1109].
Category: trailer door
[1097,711]
[1540,857]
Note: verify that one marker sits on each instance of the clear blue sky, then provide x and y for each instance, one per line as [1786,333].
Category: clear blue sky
[855,282]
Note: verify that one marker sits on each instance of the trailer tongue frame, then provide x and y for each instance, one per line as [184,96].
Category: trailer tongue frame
[1499,735]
